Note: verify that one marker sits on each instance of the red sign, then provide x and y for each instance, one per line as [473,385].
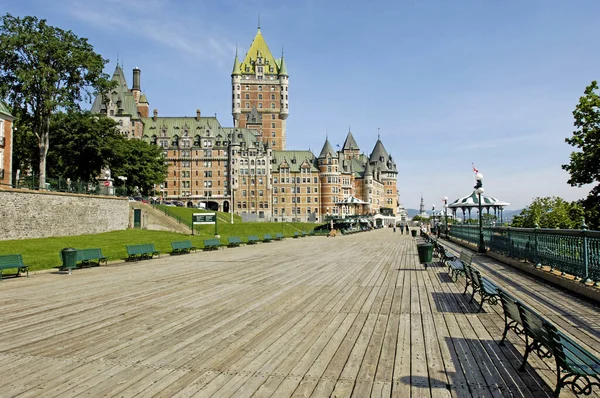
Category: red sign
[106,183]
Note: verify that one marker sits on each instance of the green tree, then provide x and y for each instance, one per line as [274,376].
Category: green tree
[550,212]
[82,144]
[143,164]
[584,165]
[44,69]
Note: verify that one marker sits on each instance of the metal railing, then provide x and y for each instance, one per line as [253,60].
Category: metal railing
[66,185]
[570,251]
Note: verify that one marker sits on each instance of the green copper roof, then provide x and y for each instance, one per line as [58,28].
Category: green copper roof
[4,109]
[350,143]
[282,67]
[326,149]
[172,126]
[143,99]
[294,159]
[237,67]
[258,48]
[119,93]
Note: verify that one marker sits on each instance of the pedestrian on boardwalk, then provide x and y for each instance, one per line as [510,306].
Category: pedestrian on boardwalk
[407,229]
[402,229]
[394,228]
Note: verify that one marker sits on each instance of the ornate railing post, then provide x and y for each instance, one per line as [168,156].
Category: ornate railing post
[535,242]
[586,259]
[510,244]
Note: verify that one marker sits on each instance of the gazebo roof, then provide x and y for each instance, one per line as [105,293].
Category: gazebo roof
[472,200]
[352,201]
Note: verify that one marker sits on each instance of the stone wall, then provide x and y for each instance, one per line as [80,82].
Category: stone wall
[37,214]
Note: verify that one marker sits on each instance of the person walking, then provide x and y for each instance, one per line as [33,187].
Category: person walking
[402,229]
[407,229]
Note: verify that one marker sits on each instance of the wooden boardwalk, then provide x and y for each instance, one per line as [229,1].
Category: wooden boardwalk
[314,317]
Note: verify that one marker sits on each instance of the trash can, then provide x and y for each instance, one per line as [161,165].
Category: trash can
[413,232]
[69,259]
[425,253]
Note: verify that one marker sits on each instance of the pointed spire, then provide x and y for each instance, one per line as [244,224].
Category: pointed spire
[326,149]
[236,65]
[259,21]
[350,143]
[282,66]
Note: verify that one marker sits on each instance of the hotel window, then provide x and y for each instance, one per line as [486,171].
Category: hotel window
[259,88]
[272,96]
[248,105]
[260,105]
[272,105]
[247,96]
[273,116]
[272,125]
[273,134]
[273,143]
[260,96]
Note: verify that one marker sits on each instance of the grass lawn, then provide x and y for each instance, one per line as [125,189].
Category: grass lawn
[43,253]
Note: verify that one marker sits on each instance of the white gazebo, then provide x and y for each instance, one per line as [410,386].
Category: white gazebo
[350,203]
[471,201]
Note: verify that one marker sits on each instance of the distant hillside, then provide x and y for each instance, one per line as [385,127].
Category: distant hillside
[412,212]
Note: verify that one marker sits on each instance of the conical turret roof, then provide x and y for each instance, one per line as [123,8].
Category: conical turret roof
[326,149]
[350,143]
[379,153]
[237,67]
[282,67]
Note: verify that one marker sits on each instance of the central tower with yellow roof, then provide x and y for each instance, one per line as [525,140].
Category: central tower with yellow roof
[260,93]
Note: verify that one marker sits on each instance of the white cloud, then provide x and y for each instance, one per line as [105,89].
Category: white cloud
[151,20]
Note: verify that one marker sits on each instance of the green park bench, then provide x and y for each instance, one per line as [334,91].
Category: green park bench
[182,247]
[296,234]
[303,234]
[267,238]
[234,241]
[13,261]
[212,244]
[279,236]
[457,266]
[252,239]
[576,367]
[488,290]
[86,257]
[142,251]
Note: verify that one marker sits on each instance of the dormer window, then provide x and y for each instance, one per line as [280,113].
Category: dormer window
[259,88]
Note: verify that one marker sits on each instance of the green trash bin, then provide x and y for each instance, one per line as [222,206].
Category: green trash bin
[425,253]
[413,233]
[69,259]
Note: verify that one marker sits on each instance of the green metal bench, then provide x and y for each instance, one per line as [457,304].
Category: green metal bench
[85,257]
[267,238]
[488,290]
[212,244]
[182,247]
[13,261]
[279,236]
[234,241]
[252,239]
[296,234]
[576,367]
[457,267]
[142,251]
[303,234]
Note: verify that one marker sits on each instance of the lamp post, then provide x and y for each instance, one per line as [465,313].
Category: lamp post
[479,189]
[433,219]
[446,215]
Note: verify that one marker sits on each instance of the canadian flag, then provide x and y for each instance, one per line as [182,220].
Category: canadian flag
[474,169]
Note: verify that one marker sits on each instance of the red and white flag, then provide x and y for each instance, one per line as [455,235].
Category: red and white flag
[474,169]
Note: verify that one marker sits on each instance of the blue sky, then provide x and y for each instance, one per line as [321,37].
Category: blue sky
[447,83]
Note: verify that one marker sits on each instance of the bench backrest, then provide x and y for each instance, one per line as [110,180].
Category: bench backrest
[476,275]
[267,237]
[468,271]
[234,239]
[140,249]
[279,235]
[570,355]
[533,324]
[11,259]
[466,257]
[89,254]
[252,237]
[510,306]
[181,244]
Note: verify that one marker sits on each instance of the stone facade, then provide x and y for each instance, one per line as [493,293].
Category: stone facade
[6,128]
[38,214]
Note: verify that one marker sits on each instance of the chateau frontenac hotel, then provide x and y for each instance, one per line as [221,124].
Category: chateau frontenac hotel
[247,168]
